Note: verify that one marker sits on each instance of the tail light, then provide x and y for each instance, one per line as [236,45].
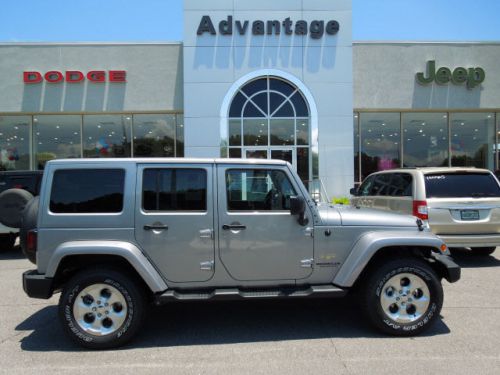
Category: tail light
[31,245]
[420,210]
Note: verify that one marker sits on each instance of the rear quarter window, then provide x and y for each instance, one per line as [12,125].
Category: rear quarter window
[87,191]
[458,185]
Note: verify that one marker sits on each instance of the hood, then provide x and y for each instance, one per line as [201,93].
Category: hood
[353,216]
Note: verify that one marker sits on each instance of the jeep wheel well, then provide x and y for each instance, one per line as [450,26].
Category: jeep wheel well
[392,252]
[74,263]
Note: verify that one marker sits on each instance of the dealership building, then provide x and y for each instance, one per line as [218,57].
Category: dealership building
[256,79]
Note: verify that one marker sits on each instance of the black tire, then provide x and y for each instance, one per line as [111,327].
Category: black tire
[7,241]
[133,296]
[29,222]
[483,251]
[381,280]
[12,203]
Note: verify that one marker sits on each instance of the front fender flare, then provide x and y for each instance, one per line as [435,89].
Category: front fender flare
[125,250]
[370,243]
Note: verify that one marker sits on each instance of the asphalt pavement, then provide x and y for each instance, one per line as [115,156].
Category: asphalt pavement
[261,337]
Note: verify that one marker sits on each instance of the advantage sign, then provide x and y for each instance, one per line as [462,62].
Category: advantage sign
[316,29]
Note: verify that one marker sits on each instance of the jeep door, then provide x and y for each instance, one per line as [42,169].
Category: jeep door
[175,219]
[259,239]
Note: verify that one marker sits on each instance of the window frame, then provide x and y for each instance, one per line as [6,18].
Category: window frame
[402,175]
[170,168]
[101,213]
[267,170]
[370,178]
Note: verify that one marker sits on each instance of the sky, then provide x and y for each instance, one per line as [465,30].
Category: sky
[161,20]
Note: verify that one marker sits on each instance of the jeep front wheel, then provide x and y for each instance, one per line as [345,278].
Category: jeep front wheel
[403,297]
[101,308]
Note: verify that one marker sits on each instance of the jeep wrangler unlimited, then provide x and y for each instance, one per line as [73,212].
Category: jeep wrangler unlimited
[116,235]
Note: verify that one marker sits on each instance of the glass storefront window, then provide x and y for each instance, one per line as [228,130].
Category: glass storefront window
[380,142]
[302,132]
[356,148]
[179,149]
[269,118]
[234,132]
[282,132]
[255,132]
[30,141]
[154,135]
[425,139]
[106,136]
[15,142]
[56,137]
[497,143]
[472,140]
[235,153]
[303,164]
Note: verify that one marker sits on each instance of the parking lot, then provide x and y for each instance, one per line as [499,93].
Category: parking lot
[292,337]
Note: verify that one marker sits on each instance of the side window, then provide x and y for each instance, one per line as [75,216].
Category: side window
[366,186]
[401,185]
[381,185]
[170,189]
[258,190]
[87,191]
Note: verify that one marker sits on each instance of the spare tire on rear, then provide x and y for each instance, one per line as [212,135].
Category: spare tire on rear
[29,222]
[12,204]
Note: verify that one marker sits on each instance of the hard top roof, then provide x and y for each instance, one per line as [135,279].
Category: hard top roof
[167,161]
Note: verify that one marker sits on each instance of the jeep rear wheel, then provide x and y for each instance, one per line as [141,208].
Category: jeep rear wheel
[101,308]
[403,297]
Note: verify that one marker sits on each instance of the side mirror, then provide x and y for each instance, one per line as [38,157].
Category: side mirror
[298,208]
[354,191]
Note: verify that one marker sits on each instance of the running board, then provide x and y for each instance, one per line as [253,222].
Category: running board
[328,291]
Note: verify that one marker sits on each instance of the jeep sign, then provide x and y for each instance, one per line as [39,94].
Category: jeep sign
[472,77]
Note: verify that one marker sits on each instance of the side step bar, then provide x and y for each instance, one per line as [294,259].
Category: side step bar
[226,294]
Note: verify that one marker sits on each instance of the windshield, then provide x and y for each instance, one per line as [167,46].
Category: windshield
[460,185]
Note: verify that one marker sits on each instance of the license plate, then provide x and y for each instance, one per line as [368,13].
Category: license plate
[469,214]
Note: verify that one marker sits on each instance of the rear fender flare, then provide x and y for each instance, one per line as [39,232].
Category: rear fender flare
[125,250]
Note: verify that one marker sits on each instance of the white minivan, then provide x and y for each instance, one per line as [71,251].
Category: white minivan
[461,205]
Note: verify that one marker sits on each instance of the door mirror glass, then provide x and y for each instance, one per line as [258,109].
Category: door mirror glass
[297,205]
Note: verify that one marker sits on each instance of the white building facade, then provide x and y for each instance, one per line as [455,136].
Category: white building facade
[257,79]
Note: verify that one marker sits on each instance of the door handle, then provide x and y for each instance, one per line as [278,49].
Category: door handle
[156,227]
[234,227]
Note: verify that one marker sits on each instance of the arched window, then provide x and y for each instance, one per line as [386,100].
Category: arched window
[268,97]
[269,118]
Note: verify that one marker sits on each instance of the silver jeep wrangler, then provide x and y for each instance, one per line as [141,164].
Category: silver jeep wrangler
[115,235]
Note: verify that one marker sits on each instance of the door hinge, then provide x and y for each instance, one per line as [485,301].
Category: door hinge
[207,233]
[207,266]
[307,263]
[309,232]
